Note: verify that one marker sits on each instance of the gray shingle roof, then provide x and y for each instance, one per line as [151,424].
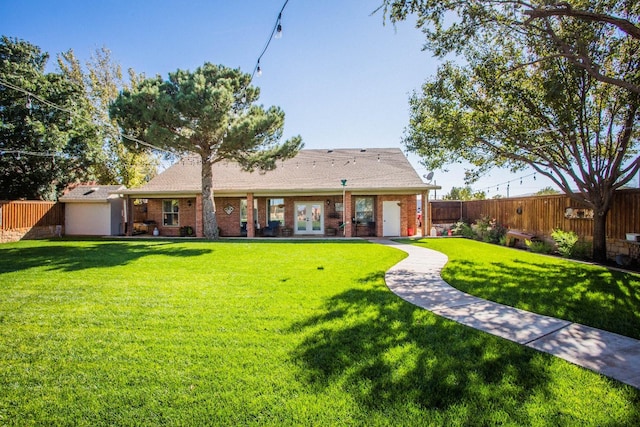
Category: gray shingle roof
[91,193]
[379,169]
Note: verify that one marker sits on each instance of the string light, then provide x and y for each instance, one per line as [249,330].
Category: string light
[279,29]
[276,32]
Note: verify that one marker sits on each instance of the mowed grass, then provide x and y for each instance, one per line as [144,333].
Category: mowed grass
[260,333]
[584,293]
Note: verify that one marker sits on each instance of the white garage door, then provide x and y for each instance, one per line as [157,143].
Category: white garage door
[87,219]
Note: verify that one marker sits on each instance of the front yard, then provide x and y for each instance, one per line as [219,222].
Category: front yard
[99,332]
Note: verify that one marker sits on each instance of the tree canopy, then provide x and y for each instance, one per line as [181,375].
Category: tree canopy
[464,193]
[55,128]
[553,86]
[210,112]
[47,140]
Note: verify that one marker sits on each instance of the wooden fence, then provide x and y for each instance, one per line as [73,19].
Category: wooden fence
[16,215]
[540,215]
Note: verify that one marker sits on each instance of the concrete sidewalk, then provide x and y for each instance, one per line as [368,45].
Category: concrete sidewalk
[417,280]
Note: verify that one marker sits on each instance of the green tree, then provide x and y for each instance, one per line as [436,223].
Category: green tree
[546,191]
[102,80]
[47,140]
[210,112]
[464,193]
[550,86]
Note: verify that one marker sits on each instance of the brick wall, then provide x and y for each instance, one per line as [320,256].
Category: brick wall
[229,223]
[187,216]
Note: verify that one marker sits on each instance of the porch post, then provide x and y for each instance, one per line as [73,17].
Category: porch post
[129,215]
[428,224]
[251,228]
[199,222]
[423,209]
[348,230]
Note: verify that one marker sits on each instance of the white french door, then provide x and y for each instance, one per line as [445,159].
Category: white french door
[309,218]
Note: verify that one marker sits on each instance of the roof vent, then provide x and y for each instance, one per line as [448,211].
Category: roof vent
[93,190]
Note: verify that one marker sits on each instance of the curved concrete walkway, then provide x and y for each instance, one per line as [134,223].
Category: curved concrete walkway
[417,280]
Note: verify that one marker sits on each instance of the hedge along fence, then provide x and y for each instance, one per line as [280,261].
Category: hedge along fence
[30,219]
[540,215]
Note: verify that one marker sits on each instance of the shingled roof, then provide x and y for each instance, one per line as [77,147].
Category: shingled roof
[380,170]
[92,193]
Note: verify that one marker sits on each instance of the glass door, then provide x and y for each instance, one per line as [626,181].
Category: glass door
[309,218]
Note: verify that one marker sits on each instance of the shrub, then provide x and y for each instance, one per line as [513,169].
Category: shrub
[582,250]
[565,242]
[539,246]
[463,229]
[489,230]
[497,233]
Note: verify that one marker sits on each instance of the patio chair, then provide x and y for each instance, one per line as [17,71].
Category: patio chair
[272,229]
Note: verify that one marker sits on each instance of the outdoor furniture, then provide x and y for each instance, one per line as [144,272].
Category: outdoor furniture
[517,238]
[272,229]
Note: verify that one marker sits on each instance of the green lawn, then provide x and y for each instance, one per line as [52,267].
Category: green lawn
[579,292]
[99,332]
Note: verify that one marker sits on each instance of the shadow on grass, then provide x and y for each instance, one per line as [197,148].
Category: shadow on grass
[605,299]
[82,254]
[390,355]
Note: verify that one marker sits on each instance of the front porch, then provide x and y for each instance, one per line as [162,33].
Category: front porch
[289,216]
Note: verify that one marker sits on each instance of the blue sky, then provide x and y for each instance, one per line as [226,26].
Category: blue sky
[342,77]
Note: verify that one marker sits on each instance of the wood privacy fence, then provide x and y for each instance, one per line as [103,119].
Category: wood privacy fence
[540,215]
[15,215]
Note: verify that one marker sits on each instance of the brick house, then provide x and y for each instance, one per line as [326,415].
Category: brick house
[342,192]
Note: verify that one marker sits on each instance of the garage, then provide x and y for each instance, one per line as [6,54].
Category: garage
[90,210]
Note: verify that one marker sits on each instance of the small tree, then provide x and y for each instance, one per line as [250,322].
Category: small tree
[464,193]
[210,112]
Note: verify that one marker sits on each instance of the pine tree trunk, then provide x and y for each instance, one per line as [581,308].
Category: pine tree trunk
[209,220]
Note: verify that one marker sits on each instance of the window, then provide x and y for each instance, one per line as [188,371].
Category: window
[243,211]
[364,210]
[170,216]
[276,210]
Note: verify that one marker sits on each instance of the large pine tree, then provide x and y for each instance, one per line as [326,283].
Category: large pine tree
[211,112]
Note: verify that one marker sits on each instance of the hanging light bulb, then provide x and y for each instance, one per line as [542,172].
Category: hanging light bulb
[259,70]
[279,27]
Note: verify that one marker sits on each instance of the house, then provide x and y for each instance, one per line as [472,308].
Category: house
[94,210]
[342,192]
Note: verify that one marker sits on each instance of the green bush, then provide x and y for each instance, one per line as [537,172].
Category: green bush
[539,246]
[463,229]
[582,250]
[565,242]
[489,231]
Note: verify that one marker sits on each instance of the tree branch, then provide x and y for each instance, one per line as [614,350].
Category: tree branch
[623,25]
